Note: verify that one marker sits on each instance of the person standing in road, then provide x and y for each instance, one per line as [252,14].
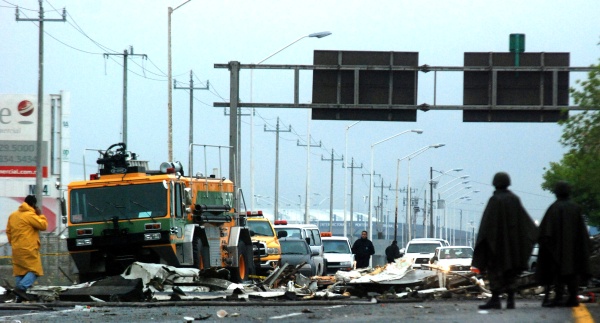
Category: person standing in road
[392,252]
[564,253]
[363,249]
[504,243]
[22,231]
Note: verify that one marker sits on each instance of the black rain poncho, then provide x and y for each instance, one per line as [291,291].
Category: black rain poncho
[564,243]
[506,235]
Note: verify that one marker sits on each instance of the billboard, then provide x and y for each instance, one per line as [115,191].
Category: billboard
[18,153]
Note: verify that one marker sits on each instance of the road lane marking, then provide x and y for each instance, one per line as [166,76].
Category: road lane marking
[582,315]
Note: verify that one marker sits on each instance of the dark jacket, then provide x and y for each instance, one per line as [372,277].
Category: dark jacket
[564,243]
[506,235]
[392,252]
[363,249]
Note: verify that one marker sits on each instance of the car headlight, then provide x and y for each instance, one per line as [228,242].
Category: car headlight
[345,263]
[273,251]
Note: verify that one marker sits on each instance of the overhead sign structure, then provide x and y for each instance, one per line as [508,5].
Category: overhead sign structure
[523,88]
[369,90]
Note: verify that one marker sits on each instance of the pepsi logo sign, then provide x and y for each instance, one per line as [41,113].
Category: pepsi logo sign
[25,108]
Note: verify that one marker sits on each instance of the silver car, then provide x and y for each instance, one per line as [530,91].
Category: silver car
[295,251]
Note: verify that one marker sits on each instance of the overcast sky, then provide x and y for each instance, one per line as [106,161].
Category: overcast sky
[208,32]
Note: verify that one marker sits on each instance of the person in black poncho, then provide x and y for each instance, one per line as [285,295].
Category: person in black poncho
[564,252]
[504,243]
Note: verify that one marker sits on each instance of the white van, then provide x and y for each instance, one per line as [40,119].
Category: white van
[308,232]
[422,249]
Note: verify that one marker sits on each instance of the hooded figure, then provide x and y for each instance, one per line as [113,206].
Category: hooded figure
[22,231]
[504,242]
[392,252]
[564,244]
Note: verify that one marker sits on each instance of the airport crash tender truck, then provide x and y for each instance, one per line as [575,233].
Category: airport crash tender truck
[126,213]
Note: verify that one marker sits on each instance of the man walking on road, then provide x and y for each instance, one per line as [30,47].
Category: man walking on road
[22,231]
[363,249]
[504,243]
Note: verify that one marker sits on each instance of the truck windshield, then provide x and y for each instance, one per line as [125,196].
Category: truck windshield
[422,247]
[336,246]
[124,202]
[261,228]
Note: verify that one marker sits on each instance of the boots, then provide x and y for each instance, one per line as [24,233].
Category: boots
[493,303]
[572,300]
[510,300]
[546,302]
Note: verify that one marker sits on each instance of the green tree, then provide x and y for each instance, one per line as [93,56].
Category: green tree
[580,166]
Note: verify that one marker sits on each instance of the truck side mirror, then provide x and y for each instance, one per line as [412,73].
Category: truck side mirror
[281,234]
[63,210]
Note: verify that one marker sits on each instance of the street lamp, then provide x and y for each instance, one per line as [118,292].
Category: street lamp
[432,185]
[170,73]
[346,177]
[313,35]
[371,173]
[446,197]
[455,179]
[409,205]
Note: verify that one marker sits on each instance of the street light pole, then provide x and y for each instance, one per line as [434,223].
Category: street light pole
[409,204]
[346,176]
[313,35]
[170,73]
[372,173]
[433,184]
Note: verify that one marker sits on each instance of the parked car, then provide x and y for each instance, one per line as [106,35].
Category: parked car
[295,251]
[308,232]
[338,253]
[453,258]
[422,249]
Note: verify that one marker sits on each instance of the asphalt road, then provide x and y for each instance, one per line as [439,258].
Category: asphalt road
[356,310]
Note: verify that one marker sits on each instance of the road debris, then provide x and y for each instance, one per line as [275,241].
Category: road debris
[394,282]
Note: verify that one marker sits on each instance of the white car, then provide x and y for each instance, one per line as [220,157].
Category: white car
[453,259]
[422,249]
[338,253]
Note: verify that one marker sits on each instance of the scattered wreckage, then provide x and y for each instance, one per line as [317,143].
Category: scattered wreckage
[156,284]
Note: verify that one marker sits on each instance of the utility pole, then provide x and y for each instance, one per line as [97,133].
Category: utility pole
[307,200]
[352,167]
[431,226]
[332,160]
[39,181]
[125,55]
[369,211]
[380,217]
[277,131]
[191,88]
[396,190]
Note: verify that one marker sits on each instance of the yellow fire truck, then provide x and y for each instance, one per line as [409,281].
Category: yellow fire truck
[127,213]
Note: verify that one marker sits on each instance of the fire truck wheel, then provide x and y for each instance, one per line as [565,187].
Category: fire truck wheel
[245,264]
[201,254]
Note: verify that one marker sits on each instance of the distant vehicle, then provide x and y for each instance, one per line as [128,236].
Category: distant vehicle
[453,258]
[295,251]
[308,232]
[262,230]
[533,259]
[338,253]
[422,249]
